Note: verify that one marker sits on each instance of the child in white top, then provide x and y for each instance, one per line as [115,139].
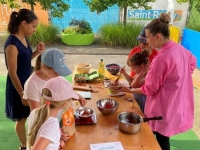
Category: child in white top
[50,64]
[43,126]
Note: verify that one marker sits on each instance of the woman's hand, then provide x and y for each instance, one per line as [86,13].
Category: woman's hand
[123,89]
[24,102]
[40,47]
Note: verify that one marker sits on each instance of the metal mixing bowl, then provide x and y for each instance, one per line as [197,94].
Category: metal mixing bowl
[107,106]
[84,112]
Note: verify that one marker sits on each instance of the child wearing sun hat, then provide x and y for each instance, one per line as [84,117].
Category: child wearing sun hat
[43,126]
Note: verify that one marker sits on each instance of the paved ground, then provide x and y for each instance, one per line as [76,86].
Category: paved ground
[92,54]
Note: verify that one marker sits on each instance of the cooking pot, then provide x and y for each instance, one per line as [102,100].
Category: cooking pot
[130,122]
[84,112]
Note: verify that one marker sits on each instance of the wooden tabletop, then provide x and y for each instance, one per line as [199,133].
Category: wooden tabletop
[106,129]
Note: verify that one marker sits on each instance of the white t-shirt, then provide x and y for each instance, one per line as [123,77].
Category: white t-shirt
[33,88]
[49,130]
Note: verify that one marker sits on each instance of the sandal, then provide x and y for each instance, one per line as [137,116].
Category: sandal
[22,148]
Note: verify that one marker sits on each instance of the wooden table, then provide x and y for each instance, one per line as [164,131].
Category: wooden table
[106,128]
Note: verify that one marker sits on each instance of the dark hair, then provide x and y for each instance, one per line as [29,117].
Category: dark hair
[139,58]
[160,25]
[17,17]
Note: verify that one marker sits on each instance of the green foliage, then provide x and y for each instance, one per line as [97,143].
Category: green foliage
[198,6]
[44,33]
[11,3]
[71,30]
[56,7]
[194,18]
[78,27]
[119,35]
[101,5]
[194,27]
[191,2]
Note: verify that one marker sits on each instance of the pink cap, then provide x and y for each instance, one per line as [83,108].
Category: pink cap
[60,89]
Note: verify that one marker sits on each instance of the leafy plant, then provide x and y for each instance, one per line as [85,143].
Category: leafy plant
[119,35]
[56,7]
[78,27]
[101,5]
[45,33]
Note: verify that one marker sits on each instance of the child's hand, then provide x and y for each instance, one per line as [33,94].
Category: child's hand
[145,69]
[82,100]
[64,137]
[62,144]
[122,70]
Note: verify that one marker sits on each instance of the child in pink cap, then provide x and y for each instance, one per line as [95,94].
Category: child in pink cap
[43,126]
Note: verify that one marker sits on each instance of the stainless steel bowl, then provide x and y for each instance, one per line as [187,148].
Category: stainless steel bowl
[107,106]
[84,112]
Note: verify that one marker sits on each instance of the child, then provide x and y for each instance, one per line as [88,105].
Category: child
[43,126]
[139,63]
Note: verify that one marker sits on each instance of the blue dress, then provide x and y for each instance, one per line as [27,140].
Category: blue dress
[14,108]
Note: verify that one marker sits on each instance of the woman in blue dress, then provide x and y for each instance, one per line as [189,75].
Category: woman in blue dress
[18,56]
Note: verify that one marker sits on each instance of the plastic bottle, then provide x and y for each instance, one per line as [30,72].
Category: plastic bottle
[101,71]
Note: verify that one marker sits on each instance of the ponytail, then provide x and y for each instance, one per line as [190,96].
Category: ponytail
[41,115]
[17,17]
[38,63]
[13,23]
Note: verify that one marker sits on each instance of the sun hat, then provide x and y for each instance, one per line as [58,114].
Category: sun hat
[142,36]
[60,89]
[56,59]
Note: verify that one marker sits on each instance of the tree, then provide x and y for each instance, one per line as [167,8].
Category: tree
[101,5]
[191,3]
[56,7]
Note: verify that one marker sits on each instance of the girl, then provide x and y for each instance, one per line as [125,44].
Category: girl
[18,56]
[139,63]
[43,126]
[49,64]
[143,45]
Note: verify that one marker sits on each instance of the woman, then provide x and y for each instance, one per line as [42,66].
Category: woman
[18,56]
[143,45]
[168,84]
